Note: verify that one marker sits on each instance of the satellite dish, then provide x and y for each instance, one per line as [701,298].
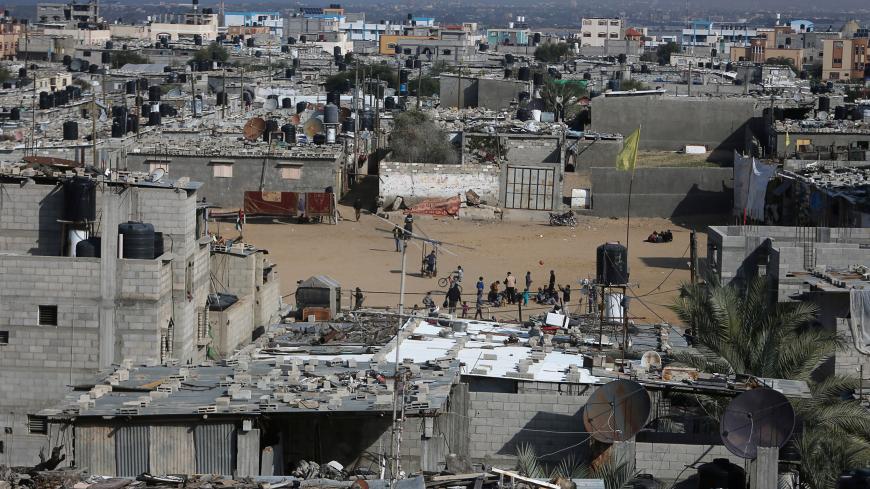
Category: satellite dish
[651,359]
[156,175]
[312,127]
[761,417]
[270,104]
[617,411]
[254,128]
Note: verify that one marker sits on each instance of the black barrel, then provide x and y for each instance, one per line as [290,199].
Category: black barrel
[319,139]
[15,114]
[611,264]
[271,127]
[138,240]
[839,112]
[289,131]
[824,104]
[538,79]
[301,106]
[88,248]
[130,87]
[154,94]
[524,73]
[80,199]
[118,128]
[158,244]
[70,130]
[250,42]
[286,103]
[389,103]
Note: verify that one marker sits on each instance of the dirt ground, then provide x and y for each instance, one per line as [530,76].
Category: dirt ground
[362,254]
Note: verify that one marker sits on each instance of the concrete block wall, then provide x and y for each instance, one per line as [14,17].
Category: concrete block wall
[522,149]
[268,302]
[417,181]
[662,192]
[849,361]
[672,461]
[547,419]
[232,326]
[28,218]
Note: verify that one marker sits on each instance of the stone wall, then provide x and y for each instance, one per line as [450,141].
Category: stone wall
[522,149]
[28,219]
[418,181]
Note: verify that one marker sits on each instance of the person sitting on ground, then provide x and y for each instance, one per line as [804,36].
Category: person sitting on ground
[540,296]
[667,236]
[653,238]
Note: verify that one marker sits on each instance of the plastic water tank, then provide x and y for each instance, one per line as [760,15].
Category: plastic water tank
[524,73]
[15,114]
[611,264]
[301,106]
[158,244]
[286,103]
[508,73]
[319,139]
[330,114]
[88,248]
[70,130]
[80,199]
[289,131]
[721,473]
[523,114]
[154,93]
[538,79]
[138,240]
[824,104]
[74,237]
[389,103]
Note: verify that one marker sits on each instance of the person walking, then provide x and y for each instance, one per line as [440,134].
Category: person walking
[454,296]
[478,307]
[358,298]
[566,294]
[397,237]
[464,309]
[526,295]
[357,208]
[552,285]
[529,280]
[510,284]
[480,287]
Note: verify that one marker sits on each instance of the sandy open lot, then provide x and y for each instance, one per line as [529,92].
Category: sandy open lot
[362,254]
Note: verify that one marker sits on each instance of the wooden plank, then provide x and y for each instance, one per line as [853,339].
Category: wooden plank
[514,475]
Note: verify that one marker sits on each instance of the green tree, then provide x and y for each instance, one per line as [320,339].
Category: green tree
[551,52]
[740,332]
[340,81]
[566,93]
[121,58]
[441,66]
[416,139]
[633,85]
[212,52]
[428,86]
[664,52]
[782,61]
[4,74]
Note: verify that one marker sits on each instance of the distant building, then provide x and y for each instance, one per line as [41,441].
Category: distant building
[272,20]
[68,14]
[596,31]
[705,35]
[801,26]
[10,30]
[512,36]
[845,59]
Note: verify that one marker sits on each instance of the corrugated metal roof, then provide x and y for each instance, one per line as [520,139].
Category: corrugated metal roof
[131,450]
[170,449]
[215,447]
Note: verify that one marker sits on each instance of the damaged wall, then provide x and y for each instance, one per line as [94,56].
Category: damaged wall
[418,181]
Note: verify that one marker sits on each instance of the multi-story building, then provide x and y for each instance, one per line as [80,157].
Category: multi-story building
[272,20]
[10,31]
[68,14]
[596,31]
[512,36]
[845,59]
[705,35]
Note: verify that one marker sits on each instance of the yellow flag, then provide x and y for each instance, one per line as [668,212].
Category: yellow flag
[627,158]
[787,140]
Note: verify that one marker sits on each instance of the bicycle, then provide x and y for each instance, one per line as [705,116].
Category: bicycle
[446,281]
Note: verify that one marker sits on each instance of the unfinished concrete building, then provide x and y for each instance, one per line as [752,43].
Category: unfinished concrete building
[83,293]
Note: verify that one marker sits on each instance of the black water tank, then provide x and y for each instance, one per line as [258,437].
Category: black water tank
[43,101]
[158,244]
[132,123]
[536,38]
[389,103]
[319,139]
[367,121]
[138,240]
[824,104]
[110,45]
[154,118]
[70,130]
[331,114]
[250,42]
[348,125]
[285,49]
[296,62]
[289,72]
[286,103]
[197,40]
[154,94]
[130,87]
[839,112]
[301,106]
[524,73]
[509,58]
[67,59]
[336,51]
[721,473]
[15,114]
[538,79]
[22,72]
[291,40]
[143,84]
[508,73]
[118,128]
[418,64]
[88,248]
[303,38]
[106,57]
[409,63]
[523,114]
[118,111]
[271,127]
[289,131]
[611,264]
[80,199]
[92,69]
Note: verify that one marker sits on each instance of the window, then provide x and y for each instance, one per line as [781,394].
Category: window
[37,425]
[48,315]
[4,337]
[291,173]
[602,34]
[614,23]
[602,22]
[222,169]
[587,34]
[614,35]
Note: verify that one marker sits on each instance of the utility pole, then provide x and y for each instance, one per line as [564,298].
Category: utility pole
[420,84]
[693,257]
[33,110]
[94,124]
[242,88]
[224,84]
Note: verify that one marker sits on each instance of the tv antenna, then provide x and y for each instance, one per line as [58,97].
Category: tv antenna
[760,417]
[617,411]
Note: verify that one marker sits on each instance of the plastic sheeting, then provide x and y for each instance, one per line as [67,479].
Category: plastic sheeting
[271,203]
[437,207]
[859,302]
[750,186]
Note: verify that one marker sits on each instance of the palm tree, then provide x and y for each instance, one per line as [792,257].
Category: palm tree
[616,474]
[740,332]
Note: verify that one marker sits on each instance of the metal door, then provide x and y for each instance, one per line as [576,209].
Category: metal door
[131,450]
[530,188]
[215,446]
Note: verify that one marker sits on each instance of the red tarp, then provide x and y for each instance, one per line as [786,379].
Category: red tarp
[271,203]
[318,204]
[437,207]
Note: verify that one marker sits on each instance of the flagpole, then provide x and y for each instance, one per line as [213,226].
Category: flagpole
[630,185]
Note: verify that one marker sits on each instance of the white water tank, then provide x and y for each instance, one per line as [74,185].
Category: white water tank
[613,311]
[580,198]
[74,236]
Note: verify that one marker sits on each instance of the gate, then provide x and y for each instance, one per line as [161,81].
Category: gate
[530,188]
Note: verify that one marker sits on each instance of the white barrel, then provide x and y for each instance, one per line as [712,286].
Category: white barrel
[613,310]
[330,135]
[74,236]
[536,115]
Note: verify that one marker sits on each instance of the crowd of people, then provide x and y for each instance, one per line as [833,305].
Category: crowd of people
[660,237]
